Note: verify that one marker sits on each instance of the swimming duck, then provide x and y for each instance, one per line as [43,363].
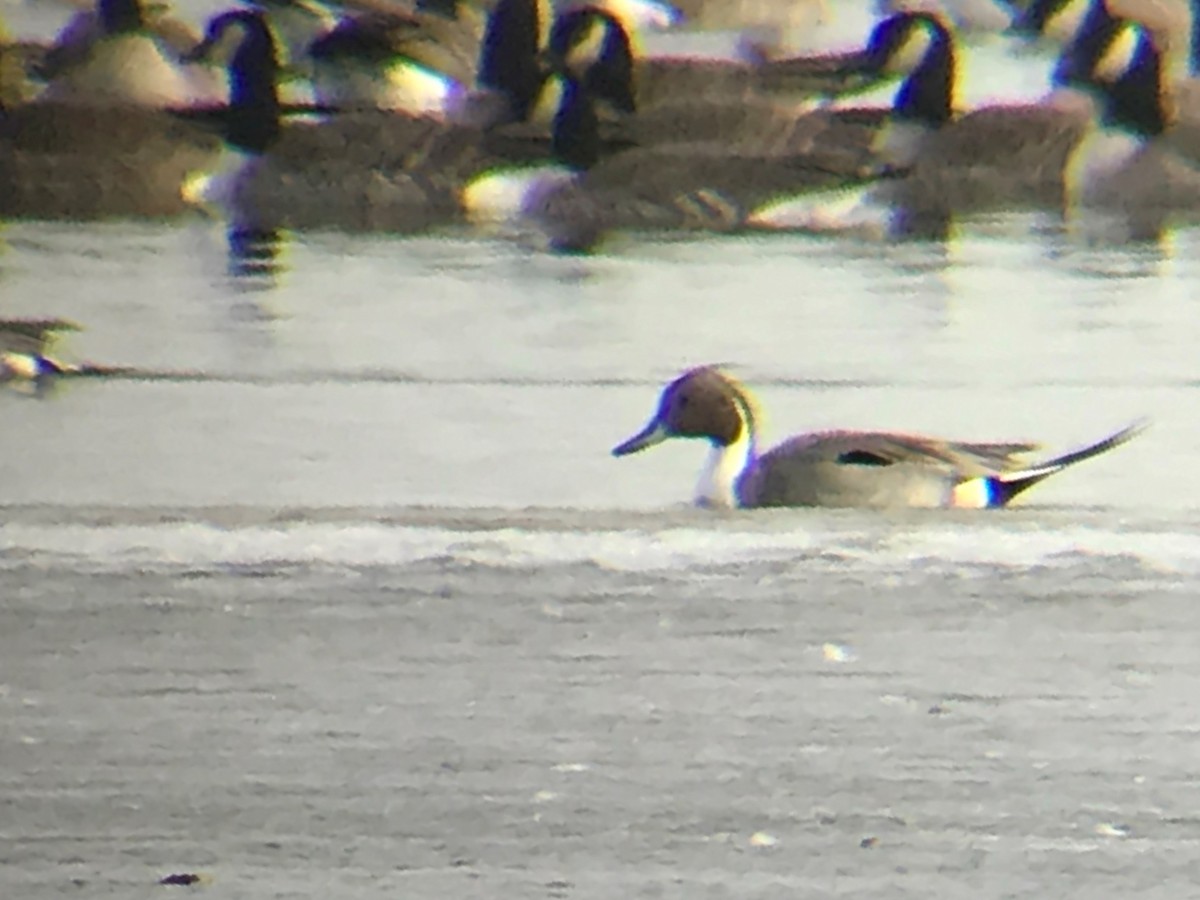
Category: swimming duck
[840,468]
[994,157]
[115,59]
[26,347]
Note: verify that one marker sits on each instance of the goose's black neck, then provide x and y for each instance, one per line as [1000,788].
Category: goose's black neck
[1078,60]
[121,16]
[1135,101]
[927,94]
[253,123]
[509,55]
[576,137]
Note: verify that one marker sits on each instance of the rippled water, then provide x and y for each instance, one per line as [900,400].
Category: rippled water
[340,591]
[337,590]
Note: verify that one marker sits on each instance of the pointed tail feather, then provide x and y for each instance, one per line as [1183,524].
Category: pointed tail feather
[1007,486]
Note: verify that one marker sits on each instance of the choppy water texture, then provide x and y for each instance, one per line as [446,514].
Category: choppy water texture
[342,595]
[339,594]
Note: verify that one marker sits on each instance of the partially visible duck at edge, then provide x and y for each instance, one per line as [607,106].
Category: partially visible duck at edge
[26,351]
[840,468]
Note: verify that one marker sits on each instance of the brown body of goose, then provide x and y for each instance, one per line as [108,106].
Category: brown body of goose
[83,164]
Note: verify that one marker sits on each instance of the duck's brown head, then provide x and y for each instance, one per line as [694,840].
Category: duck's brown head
[701,403]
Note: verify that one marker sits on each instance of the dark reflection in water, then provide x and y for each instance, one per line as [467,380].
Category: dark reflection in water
[255,254]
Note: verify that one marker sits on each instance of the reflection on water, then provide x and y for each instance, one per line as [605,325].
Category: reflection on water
[459,372]
[255,255]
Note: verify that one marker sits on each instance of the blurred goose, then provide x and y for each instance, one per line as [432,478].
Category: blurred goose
[374,170]
[640,177]
[295,24]
[123,63]
[421,62]
[1086,23]
[995,157]
[968,17]
[763,15]
[1138,170]
[840,468]
[426,62]
[19,60]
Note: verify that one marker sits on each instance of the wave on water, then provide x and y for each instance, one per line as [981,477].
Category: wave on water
[682,540]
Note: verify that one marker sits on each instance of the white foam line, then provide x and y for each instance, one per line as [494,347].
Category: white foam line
[207,546]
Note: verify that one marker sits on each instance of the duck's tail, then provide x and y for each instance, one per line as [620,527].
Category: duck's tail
[1008,485]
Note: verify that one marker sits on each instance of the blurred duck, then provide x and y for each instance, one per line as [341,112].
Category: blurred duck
[26,351]
[840,468]
[1138,171]
[945,164]
[115,58]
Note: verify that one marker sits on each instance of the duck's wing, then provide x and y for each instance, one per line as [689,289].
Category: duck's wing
[873,469]
[851,448]
[900,470]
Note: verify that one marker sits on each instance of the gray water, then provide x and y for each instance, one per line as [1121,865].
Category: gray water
[337,591]
[339,594]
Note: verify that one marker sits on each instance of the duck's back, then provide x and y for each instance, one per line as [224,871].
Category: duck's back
[855,469]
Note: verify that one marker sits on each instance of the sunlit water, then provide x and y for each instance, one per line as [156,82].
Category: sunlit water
[338,592]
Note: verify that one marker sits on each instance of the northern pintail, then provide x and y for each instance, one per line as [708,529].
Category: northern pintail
[26,350]
[116,59]
[840,468]
[947,163]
